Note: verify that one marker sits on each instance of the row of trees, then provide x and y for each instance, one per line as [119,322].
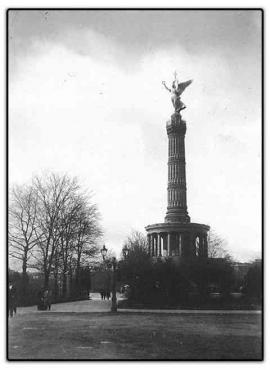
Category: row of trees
[53,228]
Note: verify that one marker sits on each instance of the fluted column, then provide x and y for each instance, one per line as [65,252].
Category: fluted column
[148,245]
[156,248]
[151,245]
[202,246]
[177,201]
[169,244]
[180,244]
[205,249]
[158,245]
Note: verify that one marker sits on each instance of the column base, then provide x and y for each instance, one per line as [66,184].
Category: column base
[176,216]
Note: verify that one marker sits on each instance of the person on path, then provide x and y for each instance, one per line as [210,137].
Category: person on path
[12,300]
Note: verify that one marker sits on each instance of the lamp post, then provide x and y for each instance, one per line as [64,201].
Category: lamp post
[111,263]
[125,251]
[103,252]
[114,299]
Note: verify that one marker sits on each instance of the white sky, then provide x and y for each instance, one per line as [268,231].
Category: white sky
[86,98]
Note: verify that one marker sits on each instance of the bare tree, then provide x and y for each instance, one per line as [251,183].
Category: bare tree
[136,242]
[22,225]
[88,232]
[217,246]
[53,193]
[68,235]
[54,223]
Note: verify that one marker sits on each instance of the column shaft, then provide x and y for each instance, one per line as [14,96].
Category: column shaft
[180,244]
[158,245]
[169,244]
[177,207]
[148,244]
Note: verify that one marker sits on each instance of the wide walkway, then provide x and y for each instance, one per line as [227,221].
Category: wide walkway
[95,304]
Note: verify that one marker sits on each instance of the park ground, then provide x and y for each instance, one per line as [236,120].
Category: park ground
[87,330]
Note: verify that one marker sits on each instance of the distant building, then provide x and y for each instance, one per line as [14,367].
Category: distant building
[241,268]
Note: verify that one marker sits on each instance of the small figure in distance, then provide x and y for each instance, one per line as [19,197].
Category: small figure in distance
[47,299]
[102,294]
[108,294]
[12,300]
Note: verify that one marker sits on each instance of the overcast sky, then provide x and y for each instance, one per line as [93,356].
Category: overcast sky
[86,99]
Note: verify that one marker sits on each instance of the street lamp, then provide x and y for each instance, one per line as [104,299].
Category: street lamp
[110,263]
[103,252]
[125,251]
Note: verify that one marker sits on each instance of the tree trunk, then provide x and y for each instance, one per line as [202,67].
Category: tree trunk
[24,274]
[64,277]
[70,289]
[64,282]
[46,280]
[77,278]
[77,273]
[56,287]
[24,286]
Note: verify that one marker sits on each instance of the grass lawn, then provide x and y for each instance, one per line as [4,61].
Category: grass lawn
[58,335]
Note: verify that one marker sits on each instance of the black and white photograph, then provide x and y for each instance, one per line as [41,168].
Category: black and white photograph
[135,184]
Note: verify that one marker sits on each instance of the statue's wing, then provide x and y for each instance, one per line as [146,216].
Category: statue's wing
[182,86]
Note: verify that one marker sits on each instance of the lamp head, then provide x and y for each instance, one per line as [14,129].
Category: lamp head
[104,251]
[125,251]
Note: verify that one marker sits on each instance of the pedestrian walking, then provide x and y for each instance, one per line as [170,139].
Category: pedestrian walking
[44,299]
[108,294]
[47,299]
[12,300]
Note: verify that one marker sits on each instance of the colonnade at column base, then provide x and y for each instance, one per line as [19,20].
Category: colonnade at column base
[177,240]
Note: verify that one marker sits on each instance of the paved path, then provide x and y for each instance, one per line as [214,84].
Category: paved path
[97,305]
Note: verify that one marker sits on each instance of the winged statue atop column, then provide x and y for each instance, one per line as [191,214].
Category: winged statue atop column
[176,91]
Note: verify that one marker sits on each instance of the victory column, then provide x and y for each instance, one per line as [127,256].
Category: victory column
[177,237]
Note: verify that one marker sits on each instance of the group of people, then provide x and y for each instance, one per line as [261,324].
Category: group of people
[44,300]
[105,294]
